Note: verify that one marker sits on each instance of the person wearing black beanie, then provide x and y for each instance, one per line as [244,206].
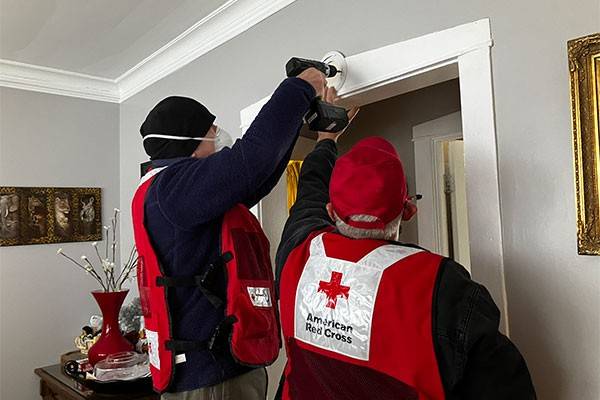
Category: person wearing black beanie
[197,176]
[171,126]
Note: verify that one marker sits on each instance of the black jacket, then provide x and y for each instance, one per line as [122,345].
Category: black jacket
[475,360]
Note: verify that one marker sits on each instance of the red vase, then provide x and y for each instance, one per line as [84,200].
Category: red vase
[111,339]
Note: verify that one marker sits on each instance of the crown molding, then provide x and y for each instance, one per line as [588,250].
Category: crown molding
[55,81]
[220,26]
[225,23]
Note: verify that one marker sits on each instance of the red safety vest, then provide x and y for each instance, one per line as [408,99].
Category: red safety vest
[250,324]
[357,321]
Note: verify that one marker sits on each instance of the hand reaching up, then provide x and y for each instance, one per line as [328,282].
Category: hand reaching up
[330,96]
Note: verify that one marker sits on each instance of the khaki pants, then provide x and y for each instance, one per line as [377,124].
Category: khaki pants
[249,386]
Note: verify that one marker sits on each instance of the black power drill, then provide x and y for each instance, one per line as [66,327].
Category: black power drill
[321,116]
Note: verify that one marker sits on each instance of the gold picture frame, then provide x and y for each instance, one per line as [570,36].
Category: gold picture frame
[584,66]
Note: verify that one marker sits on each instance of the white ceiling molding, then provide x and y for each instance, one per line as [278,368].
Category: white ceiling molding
[223,24]
[220,26]
[49,80]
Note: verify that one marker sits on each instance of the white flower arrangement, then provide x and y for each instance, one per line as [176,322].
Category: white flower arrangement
[110,281]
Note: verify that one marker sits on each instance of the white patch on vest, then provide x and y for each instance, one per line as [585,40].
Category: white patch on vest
[260,296]
[335,299]
[180,358]
[153,348]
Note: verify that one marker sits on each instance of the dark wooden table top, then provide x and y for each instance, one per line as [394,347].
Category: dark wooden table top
[54,382]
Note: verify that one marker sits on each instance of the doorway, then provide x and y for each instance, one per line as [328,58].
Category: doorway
[440,180]
[461,53]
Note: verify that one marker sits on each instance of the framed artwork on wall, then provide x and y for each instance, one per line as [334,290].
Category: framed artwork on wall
[584,66]
[31,215]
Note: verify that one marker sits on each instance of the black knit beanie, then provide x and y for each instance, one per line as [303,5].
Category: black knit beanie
[180,117]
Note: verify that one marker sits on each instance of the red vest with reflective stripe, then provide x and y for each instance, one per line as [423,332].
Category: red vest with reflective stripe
[254,338]
[357,321]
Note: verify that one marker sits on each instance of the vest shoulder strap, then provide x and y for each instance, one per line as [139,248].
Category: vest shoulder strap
[387,255]
[381,257]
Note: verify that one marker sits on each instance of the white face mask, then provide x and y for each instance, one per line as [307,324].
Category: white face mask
[223,139]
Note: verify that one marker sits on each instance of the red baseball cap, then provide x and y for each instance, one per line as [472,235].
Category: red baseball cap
[370,180]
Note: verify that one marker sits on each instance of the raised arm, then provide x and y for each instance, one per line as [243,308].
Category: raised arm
[268,185]
[194,191]
[309,213]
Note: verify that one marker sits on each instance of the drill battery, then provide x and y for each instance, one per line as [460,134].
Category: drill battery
[322,116]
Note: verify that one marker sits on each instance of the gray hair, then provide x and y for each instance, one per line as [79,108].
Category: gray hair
[390,232]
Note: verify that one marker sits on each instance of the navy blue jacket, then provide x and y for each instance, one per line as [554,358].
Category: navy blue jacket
[184,208]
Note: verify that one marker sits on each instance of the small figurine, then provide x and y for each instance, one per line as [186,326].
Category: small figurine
[87,339]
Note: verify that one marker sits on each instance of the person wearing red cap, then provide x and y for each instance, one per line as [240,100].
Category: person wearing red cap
[367,317]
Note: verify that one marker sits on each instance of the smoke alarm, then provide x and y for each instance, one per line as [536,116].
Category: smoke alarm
[338,60]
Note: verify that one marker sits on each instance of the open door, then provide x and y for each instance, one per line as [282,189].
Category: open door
[440,179]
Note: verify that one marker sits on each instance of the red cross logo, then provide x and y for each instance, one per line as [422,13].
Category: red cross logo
[333,289]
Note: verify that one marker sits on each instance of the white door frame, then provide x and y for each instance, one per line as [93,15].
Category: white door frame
[468,46]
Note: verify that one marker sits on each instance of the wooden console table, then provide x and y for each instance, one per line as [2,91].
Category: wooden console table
[56,385]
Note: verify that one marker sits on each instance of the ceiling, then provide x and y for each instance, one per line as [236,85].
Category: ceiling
[103,38]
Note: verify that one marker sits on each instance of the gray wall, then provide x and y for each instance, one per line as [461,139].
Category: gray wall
[553,294]
[48,140]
